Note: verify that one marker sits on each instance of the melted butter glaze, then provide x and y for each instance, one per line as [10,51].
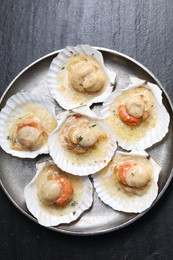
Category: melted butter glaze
[134,133]
[44,124]
[54,209]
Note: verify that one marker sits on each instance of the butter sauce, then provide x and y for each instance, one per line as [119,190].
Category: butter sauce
[133,133]
[77,185]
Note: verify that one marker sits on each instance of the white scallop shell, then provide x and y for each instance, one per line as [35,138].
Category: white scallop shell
[12,110]
[43,216]
[59,62]
[158,132]
[63,158]
[121,201]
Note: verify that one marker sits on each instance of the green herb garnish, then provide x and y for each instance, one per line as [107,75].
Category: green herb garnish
[79,139]
[74,203]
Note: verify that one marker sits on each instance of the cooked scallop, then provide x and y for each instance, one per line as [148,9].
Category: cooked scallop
[77,76]
[26,122]
[55,197]
[129,182]
[82,143]
[137,115]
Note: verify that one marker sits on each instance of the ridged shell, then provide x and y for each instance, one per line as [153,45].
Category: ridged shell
[15,108]
[44,217]
[121,201]
[69,163]
[59,62]
[154,135]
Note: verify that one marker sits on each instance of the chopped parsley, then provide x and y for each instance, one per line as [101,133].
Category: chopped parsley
[79,138]
[8,137]
[74,203]
[148,157]
[92,54]
[74,212]
[132,173]
[63,68]
[93,125]
[72,52]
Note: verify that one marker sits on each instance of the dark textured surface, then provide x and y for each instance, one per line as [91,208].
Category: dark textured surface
[140,29]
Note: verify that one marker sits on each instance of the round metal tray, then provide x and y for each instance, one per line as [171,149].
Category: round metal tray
[16,173]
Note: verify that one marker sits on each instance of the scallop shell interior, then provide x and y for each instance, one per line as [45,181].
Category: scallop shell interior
[19,107]
[59,85]
[114,196]
[54,215]
[89,162]
[145,134]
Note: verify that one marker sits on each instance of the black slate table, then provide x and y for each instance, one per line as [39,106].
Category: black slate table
[141,29]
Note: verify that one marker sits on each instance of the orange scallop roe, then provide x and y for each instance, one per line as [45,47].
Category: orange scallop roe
[126,118]
[66,191]
[30,123]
